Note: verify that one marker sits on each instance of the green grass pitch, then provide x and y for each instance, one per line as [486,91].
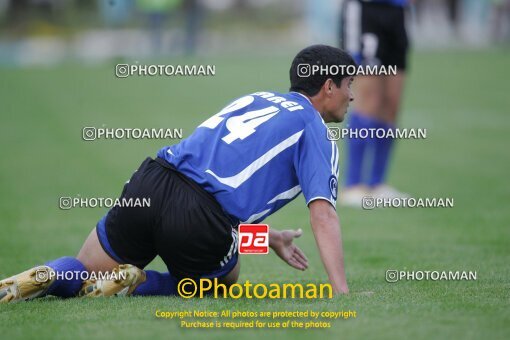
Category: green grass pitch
[460,97]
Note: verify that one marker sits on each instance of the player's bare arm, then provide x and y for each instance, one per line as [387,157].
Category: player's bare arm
[326,229]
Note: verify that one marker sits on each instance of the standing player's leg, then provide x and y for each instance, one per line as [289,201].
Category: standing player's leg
[360,37]
[363,117]
[394,53]
[382,41]
[394,87]
[387,120]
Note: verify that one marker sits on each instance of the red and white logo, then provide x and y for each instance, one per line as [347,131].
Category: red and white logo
[253,239]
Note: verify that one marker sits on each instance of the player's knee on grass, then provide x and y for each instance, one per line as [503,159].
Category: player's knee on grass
[93,257]
[226,281]
[232,276]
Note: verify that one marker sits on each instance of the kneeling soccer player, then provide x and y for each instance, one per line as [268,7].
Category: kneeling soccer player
[242,164]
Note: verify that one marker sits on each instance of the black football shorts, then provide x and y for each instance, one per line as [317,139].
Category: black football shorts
[184,225]
[374,33]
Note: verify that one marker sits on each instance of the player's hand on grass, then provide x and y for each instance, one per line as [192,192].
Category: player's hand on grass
[282,244]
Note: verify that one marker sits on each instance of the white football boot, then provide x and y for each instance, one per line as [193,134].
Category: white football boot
[353,197]
[386,191]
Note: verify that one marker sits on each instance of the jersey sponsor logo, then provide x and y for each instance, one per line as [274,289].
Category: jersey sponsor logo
[253,239]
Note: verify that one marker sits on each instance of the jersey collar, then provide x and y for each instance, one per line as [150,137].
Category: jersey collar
[302,95]
[309,101]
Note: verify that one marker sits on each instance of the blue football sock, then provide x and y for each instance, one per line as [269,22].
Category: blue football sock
[382,151]
[64,287]
[357,148]
[157,283]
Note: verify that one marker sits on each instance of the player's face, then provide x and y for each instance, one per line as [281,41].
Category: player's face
[341,98]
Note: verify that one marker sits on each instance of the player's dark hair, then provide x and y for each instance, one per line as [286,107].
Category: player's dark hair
[317,55]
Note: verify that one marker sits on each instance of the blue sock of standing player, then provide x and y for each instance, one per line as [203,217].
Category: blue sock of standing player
[382,152]
[68,285]
[157,283]
[357,148]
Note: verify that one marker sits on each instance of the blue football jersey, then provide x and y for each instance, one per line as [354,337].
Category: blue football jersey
[259,153]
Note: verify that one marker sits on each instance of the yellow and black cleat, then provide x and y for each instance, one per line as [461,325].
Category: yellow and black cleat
[27,285]
[124,280]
